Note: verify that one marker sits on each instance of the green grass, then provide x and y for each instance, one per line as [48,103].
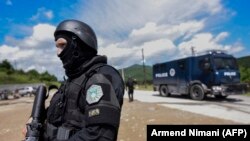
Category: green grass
[148,87]
[247,94]
[22,79]
[16,78]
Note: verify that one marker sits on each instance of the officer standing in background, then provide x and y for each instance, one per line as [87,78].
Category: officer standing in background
[130,86]
[87,107]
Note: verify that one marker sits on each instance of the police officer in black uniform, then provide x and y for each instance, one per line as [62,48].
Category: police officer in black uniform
[130,85]
[87,107]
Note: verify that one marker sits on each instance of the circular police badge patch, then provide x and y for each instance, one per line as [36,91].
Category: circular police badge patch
[94,94]
[172,72]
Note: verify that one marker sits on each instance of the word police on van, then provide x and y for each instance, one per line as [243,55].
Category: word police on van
[214,72]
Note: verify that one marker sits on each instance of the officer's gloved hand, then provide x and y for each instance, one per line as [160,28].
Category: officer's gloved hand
[24,130]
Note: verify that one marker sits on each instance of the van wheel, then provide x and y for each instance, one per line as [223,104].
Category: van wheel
[164,91]
[197,92]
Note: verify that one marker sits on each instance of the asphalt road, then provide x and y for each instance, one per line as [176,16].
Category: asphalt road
[235,108]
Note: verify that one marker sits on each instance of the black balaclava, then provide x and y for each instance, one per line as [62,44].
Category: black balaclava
[74,55]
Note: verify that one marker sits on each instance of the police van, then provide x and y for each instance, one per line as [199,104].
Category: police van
[213,72]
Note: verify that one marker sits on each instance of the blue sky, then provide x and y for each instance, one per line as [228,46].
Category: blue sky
[165,29]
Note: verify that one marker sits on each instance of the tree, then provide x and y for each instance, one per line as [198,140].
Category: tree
[47,77]
[245,74]
[20,71]
[33,73]
[5,65]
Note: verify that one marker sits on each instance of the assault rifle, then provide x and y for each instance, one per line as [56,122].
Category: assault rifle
[34,129]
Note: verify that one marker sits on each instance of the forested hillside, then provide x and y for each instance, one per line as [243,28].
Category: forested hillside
[9,75]
[244,64]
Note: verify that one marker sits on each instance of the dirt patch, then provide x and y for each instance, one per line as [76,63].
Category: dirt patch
[134,120]
[137,115]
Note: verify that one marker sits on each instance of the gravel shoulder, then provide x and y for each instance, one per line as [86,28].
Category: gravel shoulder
[135,117]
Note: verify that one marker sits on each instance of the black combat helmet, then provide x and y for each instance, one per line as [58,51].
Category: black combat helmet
[83,31]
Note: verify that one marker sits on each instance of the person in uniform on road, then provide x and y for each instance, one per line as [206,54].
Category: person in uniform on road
[87,107]
[130,86]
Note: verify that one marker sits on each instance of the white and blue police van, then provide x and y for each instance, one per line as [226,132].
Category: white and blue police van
[214,72]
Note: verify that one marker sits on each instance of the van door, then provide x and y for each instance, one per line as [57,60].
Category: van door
[207,75]
[182,76]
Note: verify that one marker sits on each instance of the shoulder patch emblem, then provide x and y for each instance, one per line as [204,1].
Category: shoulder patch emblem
[94,112]
[94,94]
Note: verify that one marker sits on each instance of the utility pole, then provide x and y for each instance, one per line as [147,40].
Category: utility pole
[192,50]
[123,76]
[144,71]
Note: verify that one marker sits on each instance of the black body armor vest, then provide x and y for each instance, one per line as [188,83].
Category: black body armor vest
[64,110]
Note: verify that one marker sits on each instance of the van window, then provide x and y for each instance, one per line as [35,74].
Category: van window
[204,64]
[181,65]
[225,63]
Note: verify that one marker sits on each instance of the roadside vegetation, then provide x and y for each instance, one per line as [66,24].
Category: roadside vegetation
[9,75]
[146,87]
[247,94]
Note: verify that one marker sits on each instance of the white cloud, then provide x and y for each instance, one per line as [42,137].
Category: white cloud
[14,53]
[221,36]
[160,27]
[156,40]
[235,48]
[113,51]
[112,17]
[149,28]
[121,56]
[163,49]
[5,49]
[42,14]
[30,68]
[154,49]
[206,41]
[165,29]
[49,14]
[151,31]
[41,33]
[36,51]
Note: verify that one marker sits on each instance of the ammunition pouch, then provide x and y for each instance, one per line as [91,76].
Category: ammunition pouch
[59,133]
[56,108]
[50,132]
[64,133]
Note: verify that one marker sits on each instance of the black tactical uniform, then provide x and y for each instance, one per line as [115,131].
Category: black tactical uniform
[131,86]
[87,107]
